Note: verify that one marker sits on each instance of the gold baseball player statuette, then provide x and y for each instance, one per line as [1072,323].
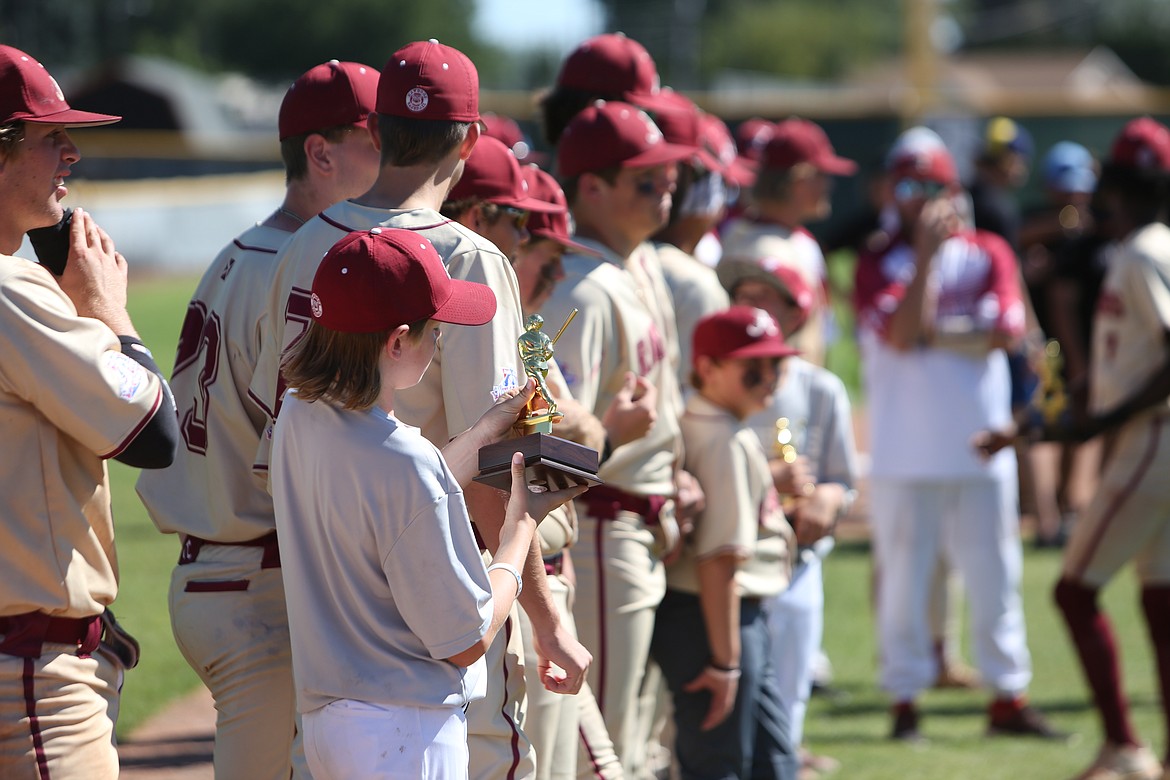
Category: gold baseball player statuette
[550,461]
[1049,401]
[536,349]
[784,449]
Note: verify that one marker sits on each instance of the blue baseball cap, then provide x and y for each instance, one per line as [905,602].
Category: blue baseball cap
[1069,167]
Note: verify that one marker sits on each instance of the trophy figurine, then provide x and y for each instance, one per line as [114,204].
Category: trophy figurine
[1049,402]
[784,447]
[550,462]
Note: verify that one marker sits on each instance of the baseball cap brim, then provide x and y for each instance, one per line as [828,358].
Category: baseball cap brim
[531,204]
[470,303]
[741,171]
[732,272]
[659,154]
[836,166]
[652,101]
[70,118]
[567,243]
[771,347]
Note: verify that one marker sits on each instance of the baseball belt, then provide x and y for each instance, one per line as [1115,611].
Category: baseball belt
[604,502]
[189,553]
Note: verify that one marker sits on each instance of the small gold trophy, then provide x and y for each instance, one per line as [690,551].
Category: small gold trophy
[550,461]
[784,448]
[1049,402]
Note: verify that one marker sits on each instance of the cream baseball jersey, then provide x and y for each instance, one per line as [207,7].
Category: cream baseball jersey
[625,322]
[695,292]
[1132,318]
[742,516]
[210,490]
[483,361]
[69,399]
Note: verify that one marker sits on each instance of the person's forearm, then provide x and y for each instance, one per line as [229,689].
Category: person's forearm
[910,324]
[719,602]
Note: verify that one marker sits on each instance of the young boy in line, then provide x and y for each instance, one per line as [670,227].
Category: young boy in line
[711,634]
[379,557]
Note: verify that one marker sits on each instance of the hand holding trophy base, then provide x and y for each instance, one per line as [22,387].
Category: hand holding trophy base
[551,463]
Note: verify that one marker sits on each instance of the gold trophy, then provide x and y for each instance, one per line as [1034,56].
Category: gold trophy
[550,461]
[1049,402]
[784,448]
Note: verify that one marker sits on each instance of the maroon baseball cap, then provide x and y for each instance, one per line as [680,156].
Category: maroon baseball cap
[29,94]
[1143,144]
[773,271]
[751,135]
[797,141]
[492,173]
[551,225]
[739,332]
[925,162]
[612,134]
[427,80]
[682,124]
[715,137]
[612,64]
[332,94]
[375,280]
[507,129]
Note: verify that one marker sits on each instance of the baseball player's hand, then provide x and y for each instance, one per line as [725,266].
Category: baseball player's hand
[632,412]
[562,661]
[95,275]
[938,222]
[987,443]
[815,515]
[722,686]
[792,479]
[497,421]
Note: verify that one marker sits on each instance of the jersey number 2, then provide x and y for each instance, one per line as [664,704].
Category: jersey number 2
[200,337]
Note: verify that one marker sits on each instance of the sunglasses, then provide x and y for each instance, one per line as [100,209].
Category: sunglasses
[911,189]
[519,217]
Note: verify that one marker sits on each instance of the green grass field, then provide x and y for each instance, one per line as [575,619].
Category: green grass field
[852,729]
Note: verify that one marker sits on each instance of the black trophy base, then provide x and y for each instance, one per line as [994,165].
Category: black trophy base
[551,463]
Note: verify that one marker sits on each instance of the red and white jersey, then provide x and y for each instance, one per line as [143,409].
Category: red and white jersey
[210,490]
[1132,318]
[69,399]
[480,362]
[625,322]
[695,292]
[926,403]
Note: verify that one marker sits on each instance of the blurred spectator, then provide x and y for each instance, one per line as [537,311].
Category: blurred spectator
[1000,169]
[508,130]
[792,188]
[936,307]
[1050,235]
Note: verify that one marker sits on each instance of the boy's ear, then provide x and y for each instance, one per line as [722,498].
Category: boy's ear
[395,344]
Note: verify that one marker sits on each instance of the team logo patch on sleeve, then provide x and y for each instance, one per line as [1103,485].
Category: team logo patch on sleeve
[507,383]
[129,377]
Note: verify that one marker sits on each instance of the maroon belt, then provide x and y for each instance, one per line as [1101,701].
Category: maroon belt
[555,563]
[25,634]
[604,502]
[193,544]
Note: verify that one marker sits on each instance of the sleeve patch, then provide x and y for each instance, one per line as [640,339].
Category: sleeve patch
[129,376]
[508,382]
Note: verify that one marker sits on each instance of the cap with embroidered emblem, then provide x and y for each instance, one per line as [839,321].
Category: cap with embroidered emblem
[375,280]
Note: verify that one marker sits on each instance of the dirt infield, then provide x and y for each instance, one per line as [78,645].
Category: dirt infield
[175,744]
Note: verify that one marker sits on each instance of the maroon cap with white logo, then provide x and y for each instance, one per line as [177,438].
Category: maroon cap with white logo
[332,94]
[796,141]
[613,65]
[492,173]
[923,162]
[427,80]
[29,94]
[612,134]
[375,280]
[739,332]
